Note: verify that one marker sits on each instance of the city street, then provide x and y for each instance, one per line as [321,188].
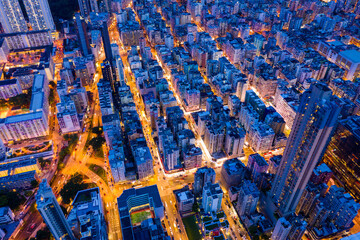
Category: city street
[172,181]
[259,101]
[79,160]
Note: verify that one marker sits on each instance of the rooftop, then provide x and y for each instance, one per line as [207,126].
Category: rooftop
[234,166]
[152,191]
[4,210]
[352,55]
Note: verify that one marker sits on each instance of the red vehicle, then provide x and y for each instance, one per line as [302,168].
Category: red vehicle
[31,228]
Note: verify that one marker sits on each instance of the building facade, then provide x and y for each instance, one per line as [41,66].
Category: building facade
[39,15]
[202,176]
[212,197]
[310,134]
[51,212]
[11,16]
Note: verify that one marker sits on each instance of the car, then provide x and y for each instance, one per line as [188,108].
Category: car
[31,228]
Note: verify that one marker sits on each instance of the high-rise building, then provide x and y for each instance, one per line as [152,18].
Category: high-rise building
[233,172]
[51,212]
[67,116]
[87,215]
[309,197]
[192,157]
[321,174]
[2,150]
[11,16]
[212,197]
[120,71]
[257,165]
[108,73]
[342,207]
[10,88]
[248,198]
[30,39]
[39,14]
[343,154]
[169,41]
[82,35]
[290,228]
[117,163]
[274,163]
[142,156]
[202,176]
[34,123]
[184,199]
[315,119]
[234,141]
[88,6]
[137,200]
[214,137]
[6,215]
[281,230]
[106,41]
[107,4]
[234,105]
[171,155]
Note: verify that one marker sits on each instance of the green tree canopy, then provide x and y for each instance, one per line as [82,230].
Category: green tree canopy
[96,143]
[70,189]
[34,183]
[11,199]
[97,130]
[43,234]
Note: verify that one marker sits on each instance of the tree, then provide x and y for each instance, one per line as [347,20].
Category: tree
[11,199]
[97,143]
[3,200]
[22,100]
[72,139]
[43,234]
[195,207]
[62,154]
[70,189]
[97,130]
[52,97]
[43,162]
[61,165]
[34,183]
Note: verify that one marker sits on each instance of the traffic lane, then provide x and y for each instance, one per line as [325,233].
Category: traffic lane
[34,218]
